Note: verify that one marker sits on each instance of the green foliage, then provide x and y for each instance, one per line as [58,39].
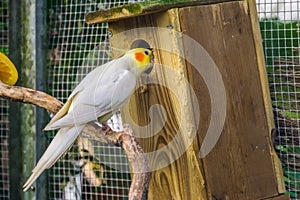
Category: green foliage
[279,39]
[4,50]
[291,114]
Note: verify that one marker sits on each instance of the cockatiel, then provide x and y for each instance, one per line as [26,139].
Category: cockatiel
[102,92]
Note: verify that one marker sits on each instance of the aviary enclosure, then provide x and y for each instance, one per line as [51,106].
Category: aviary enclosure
[54,44]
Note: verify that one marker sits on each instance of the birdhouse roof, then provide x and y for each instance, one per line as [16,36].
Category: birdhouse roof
[141,8]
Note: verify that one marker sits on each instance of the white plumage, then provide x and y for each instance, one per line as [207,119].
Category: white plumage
[102,92]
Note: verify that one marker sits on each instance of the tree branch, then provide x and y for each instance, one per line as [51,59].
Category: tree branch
[30,96]
[125,139]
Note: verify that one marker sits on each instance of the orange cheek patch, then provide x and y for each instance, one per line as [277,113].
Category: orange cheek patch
[139,56]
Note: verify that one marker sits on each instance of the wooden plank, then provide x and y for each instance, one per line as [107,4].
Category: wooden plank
[280,197]
[183,178]
[266,91]
[141,8]
[240,166]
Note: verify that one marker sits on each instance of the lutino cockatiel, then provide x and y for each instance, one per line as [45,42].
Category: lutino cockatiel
[102,92]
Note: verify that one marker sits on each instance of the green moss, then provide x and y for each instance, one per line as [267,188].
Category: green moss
[144,7]
[134,8]
[129,9]
[163,2]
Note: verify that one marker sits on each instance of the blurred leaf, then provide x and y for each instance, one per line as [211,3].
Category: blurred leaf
[291,114]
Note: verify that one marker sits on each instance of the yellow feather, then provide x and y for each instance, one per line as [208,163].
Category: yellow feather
[8,71]
[62,112]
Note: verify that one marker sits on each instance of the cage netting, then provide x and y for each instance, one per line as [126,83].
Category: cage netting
[280,29]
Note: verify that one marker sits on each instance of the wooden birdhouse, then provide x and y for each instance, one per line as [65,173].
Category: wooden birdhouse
[203,114]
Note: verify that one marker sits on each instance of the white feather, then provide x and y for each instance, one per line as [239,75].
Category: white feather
[62,141]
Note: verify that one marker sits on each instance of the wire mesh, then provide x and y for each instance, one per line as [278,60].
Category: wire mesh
[4,108]
[90,169]
[280,28]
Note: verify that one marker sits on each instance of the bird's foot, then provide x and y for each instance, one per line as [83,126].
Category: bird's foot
[105,128]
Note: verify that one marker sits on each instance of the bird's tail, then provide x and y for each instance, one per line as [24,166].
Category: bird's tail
[64,138]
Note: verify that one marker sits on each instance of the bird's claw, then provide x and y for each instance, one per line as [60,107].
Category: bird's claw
[105,129]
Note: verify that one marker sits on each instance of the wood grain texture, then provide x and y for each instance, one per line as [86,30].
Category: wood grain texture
[183,178]
[25,95]
[280,197]
[243,164]
[141,8]
[240,166]
[266,91]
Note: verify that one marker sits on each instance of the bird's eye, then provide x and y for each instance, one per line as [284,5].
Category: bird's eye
[146,52]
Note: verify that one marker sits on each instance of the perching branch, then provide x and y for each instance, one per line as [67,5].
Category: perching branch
[139,163]
[27,95]
[125,139]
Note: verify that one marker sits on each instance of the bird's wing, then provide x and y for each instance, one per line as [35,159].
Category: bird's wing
[98,99]
[62,141]
[89,79]
[100,75]
[62,112]
[122,89]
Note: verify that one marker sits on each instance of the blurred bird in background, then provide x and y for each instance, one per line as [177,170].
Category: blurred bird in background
[8,71]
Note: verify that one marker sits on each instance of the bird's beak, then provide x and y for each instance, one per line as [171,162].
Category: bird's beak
[148,71]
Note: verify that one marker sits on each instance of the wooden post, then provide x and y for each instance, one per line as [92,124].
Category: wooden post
[15,38]
[22,117]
